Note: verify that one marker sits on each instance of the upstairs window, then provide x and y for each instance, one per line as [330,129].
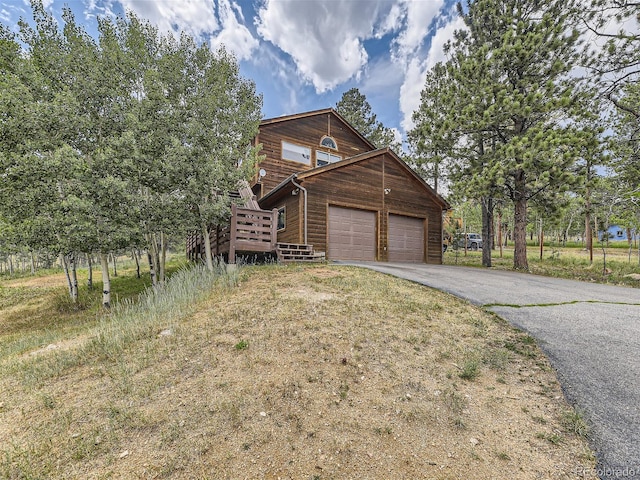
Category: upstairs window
[296,153]
[328,142]
[325,158]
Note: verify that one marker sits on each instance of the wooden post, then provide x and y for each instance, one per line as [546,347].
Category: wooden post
[541,240]
[232,233]
[500,232]
[274,228]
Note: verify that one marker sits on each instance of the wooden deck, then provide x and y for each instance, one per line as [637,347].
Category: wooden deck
[249,231]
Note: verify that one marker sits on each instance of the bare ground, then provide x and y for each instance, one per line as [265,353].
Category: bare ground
[300,372]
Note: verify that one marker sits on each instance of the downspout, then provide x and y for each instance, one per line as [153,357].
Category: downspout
[304,191]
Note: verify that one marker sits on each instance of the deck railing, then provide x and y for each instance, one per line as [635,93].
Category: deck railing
[248,231]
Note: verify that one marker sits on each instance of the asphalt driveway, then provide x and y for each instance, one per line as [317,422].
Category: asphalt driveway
[590,333]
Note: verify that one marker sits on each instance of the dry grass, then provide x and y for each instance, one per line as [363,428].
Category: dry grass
[564,262]
[298,372]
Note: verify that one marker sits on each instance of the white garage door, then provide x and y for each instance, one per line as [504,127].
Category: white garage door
[406,239]
[352,234]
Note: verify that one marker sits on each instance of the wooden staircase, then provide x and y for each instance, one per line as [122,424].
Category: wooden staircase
[245,193]
[295,252]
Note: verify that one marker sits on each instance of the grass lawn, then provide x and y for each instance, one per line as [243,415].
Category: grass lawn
[622,266]
[276,371]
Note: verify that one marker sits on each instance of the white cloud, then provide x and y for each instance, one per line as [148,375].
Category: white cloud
[195,17]
[440,38]
[235,36]
[323,37]
[416,71]
[410,91]
[419,17]
[392,23]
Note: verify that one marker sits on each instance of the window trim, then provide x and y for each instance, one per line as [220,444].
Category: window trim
[333,141]
[332,158]
[308,149]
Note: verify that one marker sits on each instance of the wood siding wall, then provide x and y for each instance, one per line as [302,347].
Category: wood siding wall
[362,185]
[293,231]
[307,132]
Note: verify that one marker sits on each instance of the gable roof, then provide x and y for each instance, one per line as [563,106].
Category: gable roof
[351,160]
[324,111]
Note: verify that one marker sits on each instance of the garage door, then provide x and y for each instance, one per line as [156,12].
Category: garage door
[406,239]
[352,234]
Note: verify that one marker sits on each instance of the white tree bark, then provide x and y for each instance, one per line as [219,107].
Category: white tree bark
[106,281]
[74,278]
[163,257]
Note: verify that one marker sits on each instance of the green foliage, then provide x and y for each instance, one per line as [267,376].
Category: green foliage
[470,369]
[355,108]
[573,421]
[498,111]
[111,142]
[615,67]
[241,345]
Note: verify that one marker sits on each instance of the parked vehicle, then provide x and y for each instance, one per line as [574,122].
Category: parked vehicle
[473,240]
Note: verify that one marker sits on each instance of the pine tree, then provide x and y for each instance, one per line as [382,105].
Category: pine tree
[355,108]
[510,97]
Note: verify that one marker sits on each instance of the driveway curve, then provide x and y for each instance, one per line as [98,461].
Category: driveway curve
[589,332]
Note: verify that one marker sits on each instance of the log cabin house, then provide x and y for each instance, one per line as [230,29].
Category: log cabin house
[326,192]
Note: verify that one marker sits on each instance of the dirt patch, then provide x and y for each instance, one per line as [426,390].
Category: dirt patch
[326,372]
[60,346]
[49,281]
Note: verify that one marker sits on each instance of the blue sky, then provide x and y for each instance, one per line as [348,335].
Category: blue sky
[302,54]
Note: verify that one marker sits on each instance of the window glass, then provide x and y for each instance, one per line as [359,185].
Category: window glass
[329,143]
[325,158]
[296,153]
[281,218]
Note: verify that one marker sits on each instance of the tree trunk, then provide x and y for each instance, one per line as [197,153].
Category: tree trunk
[541,236]
[115,264]
[162,256]
[207,248]
[588,233]
[90,277]
[500,231]
[65,266]
[520,261]
[74,278]
[152,257]
[11,265]
[566,232]
[33,263]
[106,281]
[487,231]
[152,270]
[135,256]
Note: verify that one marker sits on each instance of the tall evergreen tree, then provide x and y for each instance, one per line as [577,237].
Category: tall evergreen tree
[432,139]
[355,108]
[513,99]
[617,64]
